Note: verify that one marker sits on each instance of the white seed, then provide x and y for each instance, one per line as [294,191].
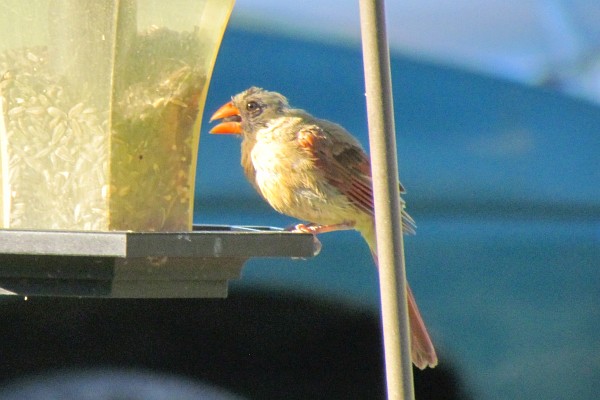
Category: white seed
[35,110]
[42,153]
[63,154]
[75,110]
[43,100]
[32,57]
[76,128]
[13,112]
[54,122]
[58,132]
[56,112]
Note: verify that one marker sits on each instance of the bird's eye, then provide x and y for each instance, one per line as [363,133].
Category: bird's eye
[253,108]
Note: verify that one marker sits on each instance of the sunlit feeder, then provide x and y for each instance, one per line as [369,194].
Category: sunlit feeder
[101,103]
[101,107]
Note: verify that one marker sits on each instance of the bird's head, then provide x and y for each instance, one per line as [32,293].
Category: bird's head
[248,111]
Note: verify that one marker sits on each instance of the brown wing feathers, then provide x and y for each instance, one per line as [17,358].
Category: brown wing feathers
[346,166]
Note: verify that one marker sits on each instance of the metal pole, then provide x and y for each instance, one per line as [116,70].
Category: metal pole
[390,245]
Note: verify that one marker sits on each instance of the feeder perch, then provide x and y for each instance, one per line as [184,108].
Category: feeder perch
[134,264]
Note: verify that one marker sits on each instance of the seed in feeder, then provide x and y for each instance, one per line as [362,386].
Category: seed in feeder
[13,112]
[124,191]
[178,102]
[58,132]
[75,127]
[54,122]
[63,154]
[43,100]
[56,113]
[75,110]
[53,153]
[42,153]
[35,110]
[32,57]
[76,211]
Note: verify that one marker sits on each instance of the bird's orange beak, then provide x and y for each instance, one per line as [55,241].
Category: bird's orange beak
[230,115]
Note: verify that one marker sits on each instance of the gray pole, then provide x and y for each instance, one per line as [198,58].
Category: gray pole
[390,245]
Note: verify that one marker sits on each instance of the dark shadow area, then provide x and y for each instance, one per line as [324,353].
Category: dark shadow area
[262,345]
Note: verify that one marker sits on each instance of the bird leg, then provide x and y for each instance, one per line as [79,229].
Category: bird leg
[316,229]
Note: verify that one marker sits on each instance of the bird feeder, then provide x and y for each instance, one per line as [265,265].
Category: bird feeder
[101,106]
[100,110]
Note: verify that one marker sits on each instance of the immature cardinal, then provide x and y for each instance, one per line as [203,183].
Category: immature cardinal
[313,170]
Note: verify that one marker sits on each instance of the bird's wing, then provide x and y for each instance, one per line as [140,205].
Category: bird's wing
[345,165]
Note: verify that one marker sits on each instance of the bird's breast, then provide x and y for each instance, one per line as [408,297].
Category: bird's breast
[280,168]
[293,184]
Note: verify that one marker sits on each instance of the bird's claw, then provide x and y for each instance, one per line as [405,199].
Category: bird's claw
[316,229]
[306,228]
[316,245]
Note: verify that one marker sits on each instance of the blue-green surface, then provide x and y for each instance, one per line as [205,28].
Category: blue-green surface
[504,182]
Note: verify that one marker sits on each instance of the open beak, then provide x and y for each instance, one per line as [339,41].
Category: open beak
[232,121]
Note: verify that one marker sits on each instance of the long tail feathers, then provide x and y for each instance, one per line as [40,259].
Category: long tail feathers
[422,350]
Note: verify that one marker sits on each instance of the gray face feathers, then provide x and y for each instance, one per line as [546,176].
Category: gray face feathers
[257,106]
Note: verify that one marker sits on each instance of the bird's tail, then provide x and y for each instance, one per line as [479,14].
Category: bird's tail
[422,350]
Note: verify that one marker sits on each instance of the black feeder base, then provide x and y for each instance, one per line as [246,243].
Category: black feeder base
[139,264]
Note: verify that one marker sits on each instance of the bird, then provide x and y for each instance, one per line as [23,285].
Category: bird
[315,171]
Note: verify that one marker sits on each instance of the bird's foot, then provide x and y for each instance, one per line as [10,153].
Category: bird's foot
[316,229]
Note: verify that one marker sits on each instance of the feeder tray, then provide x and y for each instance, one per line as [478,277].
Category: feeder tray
[138,265]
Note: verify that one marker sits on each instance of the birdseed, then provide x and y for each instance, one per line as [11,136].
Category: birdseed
[71,165]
